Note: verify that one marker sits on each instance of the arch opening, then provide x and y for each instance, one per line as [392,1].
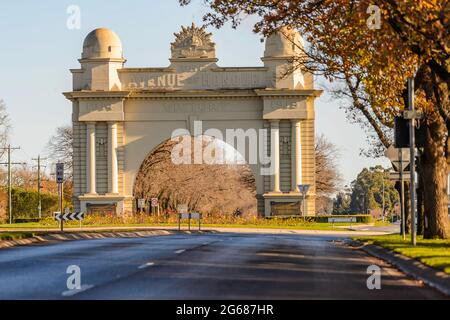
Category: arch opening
[225,185]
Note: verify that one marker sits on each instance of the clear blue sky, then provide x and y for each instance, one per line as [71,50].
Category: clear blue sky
[37,49]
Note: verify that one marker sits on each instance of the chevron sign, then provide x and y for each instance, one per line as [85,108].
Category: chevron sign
[69,216]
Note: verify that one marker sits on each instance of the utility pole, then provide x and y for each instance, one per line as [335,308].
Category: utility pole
[39,159]
[9,164]
[412,115]
[383,199]
[402,196]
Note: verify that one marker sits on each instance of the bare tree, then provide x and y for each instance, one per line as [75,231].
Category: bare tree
[5,127]
[328,177]
[60,148]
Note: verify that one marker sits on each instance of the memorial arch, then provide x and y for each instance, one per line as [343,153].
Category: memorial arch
[121,114]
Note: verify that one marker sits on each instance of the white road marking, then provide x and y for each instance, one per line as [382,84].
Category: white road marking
[70,293]
[146,265]
[180,251]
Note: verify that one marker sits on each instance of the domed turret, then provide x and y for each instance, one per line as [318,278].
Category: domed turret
[285,42]
[102,43]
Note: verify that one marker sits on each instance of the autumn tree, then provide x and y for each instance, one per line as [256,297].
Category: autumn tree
[372,63]
[328,177]
[60,148]
[5,127]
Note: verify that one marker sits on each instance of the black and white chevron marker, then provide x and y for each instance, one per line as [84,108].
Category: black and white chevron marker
[69,216]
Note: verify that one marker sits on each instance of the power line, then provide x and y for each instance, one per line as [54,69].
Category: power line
[39,186]
[9,164]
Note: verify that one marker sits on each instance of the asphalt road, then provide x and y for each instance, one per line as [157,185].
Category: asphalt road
[207,266]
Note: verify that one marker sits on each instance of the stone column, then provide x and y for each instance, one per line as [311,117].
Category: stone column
[90,158]
[275,152]
[113,184]
[296,155]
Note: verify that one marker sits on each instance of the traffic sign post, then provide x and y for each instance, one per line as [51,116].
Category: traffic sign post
[155,204]
[69,216]
[60,182]
[189,216]
[141,204]
[412,145]
[400,158]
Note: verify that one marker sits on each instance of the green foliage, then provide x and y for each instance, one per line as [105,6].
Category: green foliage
[16,235]
[367,191]
[25,203]
[341,204]
[432,252]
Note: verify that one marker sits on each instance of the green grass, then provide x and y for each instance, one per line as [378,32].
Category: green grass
[432,252]
[300,226]
[16,235]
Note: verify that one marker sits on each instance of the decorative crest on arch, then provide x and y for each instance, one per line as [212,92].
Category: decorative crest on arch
[193,42]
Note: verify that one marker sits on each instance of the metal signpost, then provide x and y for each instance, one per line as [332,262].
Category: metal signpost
[189,216]
[60,182]
[304,188]
[141,204]
[69,216]
[400,160]
[155,204]
[412,115]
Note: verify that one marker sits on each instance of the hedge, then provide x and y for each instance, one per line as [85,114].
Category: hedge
[360,218]
[25,204]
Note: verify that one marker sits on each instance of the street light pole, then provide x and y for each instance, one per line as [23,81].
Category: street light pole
[383,199]
[412,145]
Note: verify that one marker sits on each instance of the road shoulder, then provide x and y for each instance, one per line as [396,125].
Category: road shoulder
[48,237]
[432,277]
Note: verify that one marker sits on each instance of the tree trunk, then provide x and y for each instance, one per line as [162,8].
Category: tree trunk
[435,173]
[420,211]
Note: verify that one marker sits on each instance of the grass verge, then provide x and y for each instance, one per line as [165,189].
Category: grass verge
[16,235]
[432,252]
[194,225]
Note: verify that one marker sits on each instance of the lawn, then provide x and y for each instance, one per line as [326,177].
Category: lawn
[265,224]
[16,235]
[432,252]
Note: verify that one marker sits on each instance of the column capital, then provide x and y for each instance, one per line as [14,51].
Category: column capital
[274,122]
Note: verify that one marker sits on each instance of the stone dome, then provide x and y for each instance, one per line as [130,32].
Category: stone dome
[102,43]
[285,42]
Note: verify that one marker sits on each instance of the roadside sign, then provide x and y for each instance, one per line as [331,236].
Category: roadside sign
[395,176]
[395,154]
[141,203]
[189,216]
[182,208]
[195,215]
[304,188]
[155,202]
[60,172]
[69,216]
[341,219]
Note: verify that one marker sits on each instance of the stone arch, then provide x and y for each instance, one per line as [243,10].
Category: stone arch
[217,189]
